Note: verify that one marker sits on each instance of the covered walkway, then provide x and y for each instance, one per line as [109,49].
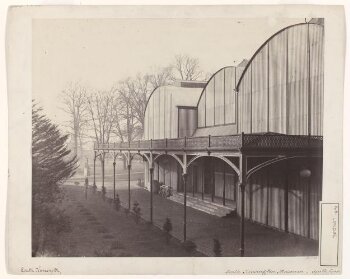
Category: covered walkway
[202,228]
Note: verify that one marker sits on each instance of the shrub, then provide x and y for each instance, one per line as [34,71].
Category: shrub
[167,227]
[189,246]
[109,200]
[76,183]
[103,191]
[217,248]
[137,210]
[94,188]
[117,203]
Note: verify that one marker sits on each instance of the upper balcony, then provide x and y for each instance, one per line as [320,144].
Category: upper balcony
[233,143]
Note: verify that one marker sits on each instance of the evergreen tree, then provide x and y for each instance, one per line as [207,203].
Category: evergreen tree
[51,165]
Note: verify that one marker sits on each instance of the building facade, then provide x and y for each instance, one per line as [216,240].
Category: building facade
[279,91]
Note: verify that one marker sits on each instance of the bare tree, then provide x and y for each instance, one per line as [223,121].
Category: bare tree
[186,68]
[132,95]
[161,76]
[102,114]
[74,104]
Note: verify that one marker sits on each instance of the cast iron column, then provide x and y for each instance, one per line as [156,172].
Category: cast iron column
[86,187]
[114,180]
[203,185]
[193,189]
[224,190]
[94,171]
[103,173]
[212,180]
[129,193]
[243,178]
[151,193]
[242,187]
[184,177]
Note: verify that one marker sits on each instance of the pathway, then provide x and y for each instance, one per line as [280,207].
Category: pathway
[202,228]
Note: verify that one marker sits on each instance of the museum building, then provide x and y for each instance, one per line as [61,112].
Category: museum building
[270,100]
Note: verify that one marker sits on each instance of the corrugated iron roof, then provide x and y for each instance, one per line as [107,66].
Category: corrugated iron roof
[223,130]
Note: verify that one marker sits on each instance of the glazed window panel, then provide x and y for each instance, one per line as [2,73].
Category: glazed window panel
[210,103]
[219,98]
[277,83]
[298,80]
[187,121]
[230,96]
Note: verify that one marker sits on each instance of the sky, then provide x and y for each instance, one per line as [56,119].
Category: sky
[100,52]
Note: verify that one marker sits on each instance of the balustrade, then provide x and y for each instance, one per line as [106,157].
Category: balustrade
[220,142]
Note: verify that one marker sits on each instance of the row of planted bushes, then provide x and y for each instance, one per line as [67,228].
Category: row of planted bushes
[189,246]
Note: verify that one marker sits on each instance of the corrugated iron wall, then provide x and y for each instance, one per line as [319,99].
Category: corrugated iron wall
[160,116]
[276,196]
[217,104]
[275,189]
[282,88]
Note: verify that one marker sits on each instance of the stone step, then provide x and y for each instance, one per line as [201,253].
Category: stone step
[204,202]
[204,206]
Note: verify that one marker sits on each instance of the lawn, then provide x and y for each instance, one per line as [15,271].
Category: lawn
[99,230]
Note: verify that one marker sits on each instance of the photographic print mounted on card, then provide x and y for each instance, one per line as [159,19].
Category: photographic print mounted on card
[174,133]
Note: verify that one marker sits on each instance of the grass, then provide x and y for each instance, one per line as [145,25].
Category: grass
[92,237]
[102,229]
[108,236]
[91,218]
[117,245]
[86,214]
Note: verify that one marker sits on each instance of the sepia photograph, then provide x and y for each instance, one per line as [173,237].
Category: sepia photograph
[179,137]
[210,158]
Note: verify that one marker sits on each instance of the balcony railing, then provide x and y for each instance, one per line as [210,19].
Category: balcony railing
[231,142]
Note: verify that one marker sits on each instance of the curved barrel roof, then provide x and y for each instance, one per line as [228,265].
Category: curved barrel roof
[161,120]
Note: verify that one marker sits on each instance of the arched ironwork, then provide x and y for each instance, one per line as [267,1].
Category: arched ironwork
[143,155]
[174,156]
[271,162]
[226,160]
